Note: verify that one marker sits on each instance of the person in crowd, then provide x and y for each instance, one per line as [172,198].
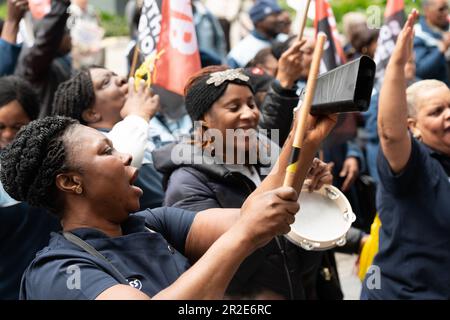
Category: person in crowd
[24,230]
[264,60]
[306,51]
[353,23]
[346,155]
[372,144]
[413,195]
[260,82]
[46,64]
[101,99]
[265,15]
[75,172]
[86,34]
[210,35]
[432,41]
[19,105]
[363,41]
[288,82]
[282,97]
[222,99]
[286,23]
[9,49]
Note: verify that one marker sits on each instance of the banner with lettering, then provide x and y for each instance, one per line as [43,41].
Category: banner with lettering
[178,56]
[149,28]
[394,19]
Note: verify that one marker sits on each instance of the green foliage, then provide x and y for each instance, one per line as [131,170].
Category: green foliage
[341,7]
[117,25]
[114,25]
[3,11]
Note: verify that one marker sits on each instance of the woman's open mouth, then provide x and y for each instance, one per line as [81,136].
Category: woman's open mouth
[133,180]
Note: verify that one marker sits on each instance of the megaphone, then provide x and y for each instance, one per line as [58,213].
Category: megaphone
[347,88]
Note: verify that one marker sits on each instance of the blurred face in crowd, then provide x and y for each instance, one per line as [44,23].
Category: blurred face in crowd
[81,3]
[270,65]
[285,22]
[12,118]
[436,13]
[271,25]
[432,121]
[104,174]
[307,56]
[236,109]
[110,94]
[372,48]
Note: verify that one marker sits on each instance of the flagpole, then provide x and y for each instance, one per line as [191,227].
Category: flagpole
[304,111]
[134,61]
[303,24]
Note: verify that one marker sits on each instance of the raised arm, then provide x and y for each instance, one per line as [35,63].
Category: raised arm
[16,10]
[265,216]
[280,101]
[318,128]
[9,50]
[392,110]
[35,61]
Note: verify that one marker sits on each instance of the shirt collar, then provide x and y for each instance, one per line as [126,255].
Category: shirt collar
[443,159]
[259,35]
[133,224]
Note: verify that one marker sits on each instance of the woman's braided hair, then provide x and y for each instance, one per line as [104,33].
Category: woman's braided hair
[30,163]
[74,96]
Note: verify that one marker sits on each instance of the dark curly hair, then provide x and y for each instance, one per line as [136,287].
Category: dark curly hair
[15,88]
[31,162]
[74,96]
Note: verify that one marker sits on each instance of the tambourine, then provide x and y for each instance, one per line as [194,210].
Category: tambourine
[323,221]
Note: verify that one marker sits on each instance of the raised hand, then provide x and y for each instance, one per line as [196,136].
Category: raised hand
[268,214]
[319,174]
[350,170]
[16,11]
[142,102]
[405,41]
[290,65]
[319,127]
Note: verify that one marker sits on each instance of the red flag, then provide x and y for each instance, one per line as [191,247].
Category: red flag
[178,53]
[394,19]
[393,7]
[333,56]
[325,22]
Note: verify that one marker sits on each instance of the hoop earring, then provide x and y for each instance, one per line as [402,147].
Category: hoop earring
[78,190]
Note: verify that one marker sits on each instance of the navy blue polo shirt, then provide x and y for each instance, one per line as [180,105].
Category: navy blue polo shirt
[150,261]
[414,248]
[24,230]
